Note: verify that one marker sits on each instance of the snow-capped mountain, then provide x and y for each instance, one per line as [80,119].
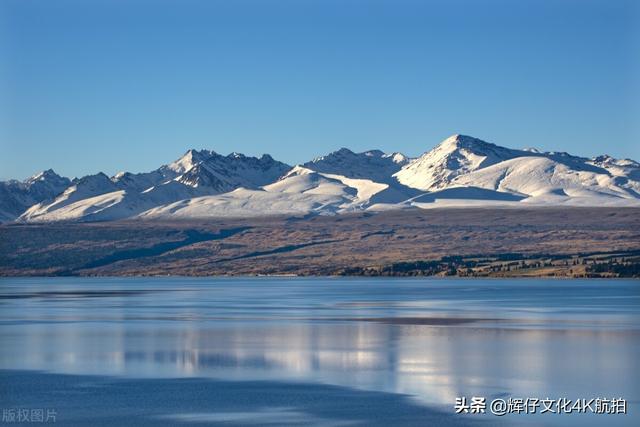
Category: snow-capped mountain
[196,173]
[226,173]
[373,164]
[532,176]
[300,191]
[17,196]
[460,171]
[83,191]
[455,156]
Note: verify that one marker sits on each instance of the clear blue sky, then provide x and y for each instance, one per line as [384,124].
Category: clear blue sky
[90,85]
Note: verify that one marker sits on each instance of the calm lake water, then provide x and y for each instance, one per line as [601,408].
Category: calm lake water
[428,341]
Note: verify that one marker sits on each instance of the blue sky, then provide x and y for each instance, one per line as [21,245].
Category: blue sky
[90,85]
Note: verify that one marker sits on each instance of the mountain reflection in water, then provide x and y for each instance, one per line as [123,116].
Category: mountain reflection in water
[432,339]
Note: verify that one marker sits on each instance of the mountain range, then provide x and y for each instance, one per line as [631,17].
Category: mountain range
[460,171]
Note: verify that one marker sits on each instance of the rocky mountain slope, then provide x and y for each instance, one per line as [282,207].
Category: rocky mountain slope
[17,196]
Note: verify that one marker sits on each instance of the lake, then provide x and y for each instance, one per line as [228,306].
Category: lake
[315,351]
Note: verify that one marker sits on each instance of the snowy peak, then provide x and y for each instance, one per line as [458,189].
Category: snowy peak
[97,181]
[82,188]
[397,158]
[459,147]
[456,155]
[45,185]
[139,181]
[532,150]
[606,160]
[226,173]
[91,184]
[373,164]
[200,176]
[189,160]
[461,141]
[343,156]
[16,196]
[295,171]
[49,177]
[624,169]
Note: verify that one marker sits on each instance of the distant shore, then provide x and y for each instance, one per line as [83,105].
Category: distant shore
[471,242]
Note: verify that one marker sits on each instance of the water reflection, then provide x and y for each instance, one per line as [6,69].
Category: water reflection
[309,331]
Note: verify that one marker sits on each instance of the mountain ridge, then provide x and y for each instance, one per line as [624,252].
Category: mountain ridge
[461,170]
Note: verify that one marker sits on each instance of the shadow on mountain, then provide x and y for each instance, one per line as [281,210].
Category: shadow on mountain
[395,193]
[279,250]
[192,236]
[469,193]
